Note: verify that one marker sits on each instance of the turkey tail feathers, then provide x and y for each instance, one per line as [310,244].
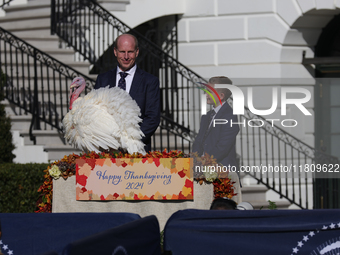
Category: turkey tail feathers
[106,118]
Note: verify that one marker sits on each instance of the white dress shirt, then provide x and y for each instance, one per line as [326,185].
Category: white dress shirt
[128,78]
[216,109]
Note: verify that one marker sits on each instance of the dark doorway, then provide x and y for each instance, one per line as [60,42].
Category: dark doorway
[327,110]
[160,31]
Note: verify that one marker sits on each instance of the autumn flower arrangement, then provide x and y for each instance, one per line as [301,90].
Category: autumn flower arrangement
[223,186]
[66,167]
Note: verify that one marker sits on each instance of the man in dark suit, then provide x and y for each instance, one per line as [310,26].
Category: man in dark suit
[218,140]
[142,86]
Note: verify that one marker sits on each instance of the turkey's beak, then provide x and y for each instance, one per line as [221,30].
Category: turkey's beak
[73,84]
[71,90]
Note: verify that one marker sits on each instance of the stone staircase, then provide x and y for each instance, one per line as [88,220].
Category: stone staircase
[258,194]
[31,22]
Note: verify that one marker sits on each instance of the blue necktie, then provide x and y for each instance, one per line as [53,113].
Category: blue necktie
[210,117]
[122,82]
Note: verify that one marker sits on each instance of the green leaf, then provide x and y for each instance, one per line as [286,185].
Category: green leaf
[272,205]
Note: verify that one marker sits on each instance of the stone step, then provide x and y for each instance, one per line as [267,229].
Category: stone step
[57,152]
[254,193]
[42,31]
[43,137]
[26,154]
[26,12]
[40,41]
[34,13]
[63,55]
[21,122]
[60,84]
[49,109]
[30,5]
[263,205]
[25,69]
[257,194]
[38,23]
[116,5]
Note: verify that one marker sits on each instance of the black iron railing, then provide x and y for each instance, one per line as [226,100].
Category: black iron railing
[171,135]
[279,160]
[38,85]
[35,82]
[5,3]
[90,30]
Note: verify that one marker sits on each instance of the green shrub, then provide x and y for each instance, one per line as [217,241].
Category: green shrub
[19,184]
[6,143]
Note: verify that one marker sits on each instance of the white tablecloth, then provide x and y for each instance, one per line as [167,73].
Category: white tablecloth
[64,200]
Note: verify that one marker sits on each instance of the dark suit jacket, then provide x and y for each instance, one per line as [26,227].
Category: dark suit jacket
[145,91]
[220,140]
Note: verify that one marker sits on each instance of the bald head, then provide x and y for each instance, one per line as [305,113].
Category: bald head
[124,37]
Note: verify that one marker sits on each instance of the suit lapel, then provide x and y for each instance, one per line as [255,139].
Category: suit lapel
[136,83]
[113,77]
[207,123]
[220,114]
[206,120]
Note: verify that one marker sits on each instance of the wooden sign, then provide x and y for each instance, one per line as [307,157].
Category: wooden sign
[134,179]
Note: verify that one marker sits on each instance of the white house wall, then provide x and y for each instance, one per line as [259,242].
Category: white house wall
[140,11]
[243,33]
[231,35]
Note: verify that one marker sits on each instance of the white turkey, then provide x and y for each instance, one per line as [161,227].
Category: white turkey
[104,119]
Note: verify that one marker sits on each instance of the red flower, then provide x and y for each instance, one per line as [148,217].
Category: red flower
[81,179]
[91,162]
[181,173]
[188,184]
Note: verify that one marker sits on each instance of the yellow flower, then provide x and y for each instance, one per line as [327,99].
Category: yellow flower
[55,172]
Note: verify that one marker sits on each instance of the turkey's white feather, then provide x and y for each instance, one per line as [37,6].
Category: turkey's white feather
[105,118]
